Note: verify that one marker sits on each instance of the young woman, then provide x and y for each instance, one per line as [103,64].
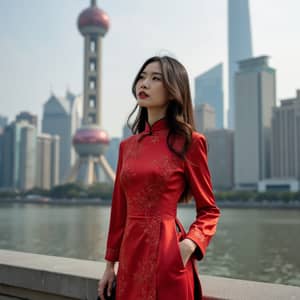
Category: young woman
[163,163]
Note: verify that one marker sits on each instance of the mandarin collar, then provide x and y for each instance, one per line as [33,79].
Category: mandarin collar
[158,125]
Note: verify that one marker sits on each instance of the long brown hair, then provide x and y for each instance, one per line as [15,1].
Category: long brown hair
[179,114]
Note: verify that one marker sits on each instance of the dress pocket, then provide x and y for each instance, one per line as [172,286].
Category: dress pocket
[177,250]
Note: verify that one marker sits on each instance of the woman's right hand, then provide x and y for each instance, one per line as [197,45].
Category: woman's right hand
[106,280]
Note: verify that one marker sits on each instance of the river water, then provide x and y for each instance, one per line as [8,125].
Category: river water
[251,244]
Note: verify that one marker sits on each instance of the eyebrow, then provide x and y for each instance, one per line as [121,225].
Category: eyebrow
[153,73]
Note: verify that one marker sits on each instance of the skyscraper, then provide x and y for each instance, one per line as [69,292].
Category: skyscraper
[113,152]
[27,156]
[27,116]
[239,47]
[255,90]
[62,116]
[220,157]
[18,155]
[47,161]
[285,139]
[205,117]
[209,89]
[10,141]
[3,121]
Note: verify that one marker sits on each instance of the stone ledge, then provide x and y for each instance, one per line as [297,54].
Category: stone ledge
[35,277]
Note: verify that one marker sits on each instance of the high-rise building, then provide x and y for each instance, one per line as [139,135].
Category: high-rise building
[62,116]
[1,156]
[47,161]
[55,160]
[220,157]
[255,94]
[91,141]
[18,155]
[285,139]
[3,122]
[9,143]
[209,89]
[239,47]
[205,117]
[27,156]
[27,116]
[113,152]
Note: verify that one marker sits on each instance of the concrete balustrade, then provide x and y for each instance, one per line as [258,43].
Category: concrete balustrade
[40,277]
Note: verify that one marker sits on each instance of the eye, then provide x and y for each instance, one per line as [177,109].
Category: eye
[140,76]
[156,78]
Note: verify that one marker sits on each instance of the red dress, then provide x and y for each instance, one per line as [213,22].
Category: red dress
[143,235]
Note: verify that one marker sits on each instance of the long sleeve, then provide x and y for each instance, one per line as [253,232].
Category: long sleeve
[117,216]
[198,176]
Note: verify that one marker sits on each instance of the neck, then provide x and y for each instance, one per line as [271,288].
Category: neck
[155,115]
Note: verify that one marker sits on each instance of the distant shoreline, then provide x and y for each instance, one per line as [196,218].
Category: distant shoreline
[101,202]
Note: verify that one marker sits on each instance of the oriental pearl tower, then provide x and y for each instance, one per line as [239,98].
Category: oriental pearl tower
[91,141]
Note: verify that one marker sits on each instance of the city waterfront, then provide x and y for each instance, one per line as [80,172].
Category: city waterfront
[252,244]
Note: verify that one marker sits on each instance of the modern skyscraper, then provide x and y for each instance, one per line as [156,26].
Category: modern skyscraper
[113,152]
[27,116]
[209,89]
[27,168]
[239,47]
[55,160]
[91,141]
[62,116]
[3,122]
[285,139]
[205,117]
[47,161]
[1,157]
[18,155]
[9,140]
[255,94]
[220,157]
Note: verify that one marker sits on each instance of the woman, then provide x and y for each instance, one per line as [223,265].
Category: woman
[163,163]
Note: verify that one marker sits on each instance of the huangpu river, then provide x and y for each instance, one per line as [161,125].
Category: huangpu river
[252,244]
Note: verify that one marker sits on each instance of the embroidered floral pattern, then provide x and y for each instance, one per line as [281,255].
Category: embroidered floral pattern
[152,178]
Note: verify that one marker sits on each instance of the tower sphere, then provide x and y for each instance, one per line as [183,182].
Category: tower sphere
[93,17]
[91,140]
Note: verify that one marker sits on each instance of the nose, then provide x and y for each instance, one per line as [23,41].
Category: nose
[145,83]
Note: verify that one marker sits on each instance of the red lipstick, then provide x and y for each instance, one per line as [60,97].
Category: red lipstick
[142,95]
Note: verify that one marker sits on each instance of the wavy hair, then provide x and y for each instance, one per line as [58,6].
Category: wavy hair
[179,113]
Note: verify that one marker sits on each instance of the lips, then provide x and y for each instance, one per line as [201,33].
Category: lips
[142,95]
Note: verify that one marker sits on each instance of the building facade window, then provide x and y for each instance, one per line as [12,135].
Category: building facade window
[92,65]
[92,118]
[93,45]
[92,83]
[92,101]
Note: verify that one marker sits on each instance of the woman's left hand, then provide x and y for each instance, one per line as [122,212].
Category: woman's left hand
[187,247]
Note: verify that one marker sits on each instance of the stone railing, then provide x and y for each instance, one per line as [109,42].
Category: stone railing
[40,277]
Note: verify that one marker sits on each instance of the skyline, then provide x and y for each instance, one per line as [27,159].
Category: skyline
[28,39]
[239,48]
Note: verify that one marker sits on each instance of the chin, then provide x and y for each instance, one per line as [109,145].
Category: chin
[142,103]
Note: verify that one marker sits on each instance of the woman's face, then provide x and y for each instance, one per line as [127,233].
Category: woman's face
[149,89]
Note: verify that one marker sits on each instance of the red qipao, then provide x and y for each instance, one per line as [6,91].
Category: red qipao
[144,232]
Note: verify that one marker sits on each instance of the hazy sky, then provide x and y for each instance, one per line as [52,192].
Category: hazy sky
[41,48]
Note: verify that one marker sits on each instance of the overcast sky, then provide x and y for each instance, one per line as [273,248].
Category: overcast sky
[41,48]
